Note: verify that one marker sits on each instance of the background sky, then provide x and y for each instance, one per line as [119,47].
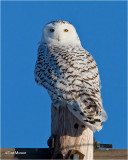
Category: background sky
[101,26]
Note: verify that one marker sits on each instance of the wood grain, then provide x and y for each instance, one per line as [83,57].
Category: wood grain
[69,134]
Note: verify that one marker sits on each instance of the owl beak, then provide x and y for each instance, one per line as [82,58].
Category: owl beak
[58,38]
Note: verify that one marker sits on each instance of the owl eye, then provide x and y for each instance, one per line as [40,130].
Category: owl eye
[65,30]
[52,30]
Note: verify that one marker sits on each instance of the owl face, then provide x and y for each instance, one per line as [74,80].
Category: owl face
[60,32]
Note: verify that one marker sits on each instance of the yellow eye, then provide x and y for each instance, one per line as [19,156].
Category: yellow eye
[52,30]
[65,30]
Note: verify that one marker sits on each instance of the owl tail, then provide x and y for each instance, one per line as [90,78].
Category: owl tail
[104,116]
[94,123]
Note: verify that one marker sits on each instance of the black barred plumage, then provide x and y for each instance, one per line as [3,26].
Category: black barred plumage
[70,75]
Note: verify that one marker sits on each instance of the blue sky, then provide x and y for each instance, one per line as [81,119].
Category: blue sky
[101,27]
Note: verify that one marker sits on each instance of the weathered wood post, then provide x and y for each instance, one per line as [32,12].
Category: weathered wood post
[69,135]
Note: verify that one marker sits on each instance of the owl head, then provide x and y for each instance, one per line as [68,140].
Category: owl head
[60,32]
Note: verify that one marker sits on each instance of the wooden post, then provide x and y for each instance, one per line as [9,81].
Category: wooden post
[69,135]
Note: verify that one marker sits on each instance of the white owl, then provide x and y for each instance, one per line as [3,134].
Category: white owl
[70,74]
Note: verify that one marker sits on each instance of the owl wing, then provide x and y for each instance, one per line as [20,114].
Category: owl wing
[89,109]
[47,72]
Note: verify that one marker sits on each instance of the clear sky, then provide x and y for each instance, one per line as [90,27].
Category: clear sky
[101,27]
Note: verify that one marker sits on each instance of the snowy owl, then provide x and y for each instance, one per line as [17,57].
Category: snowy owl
[70,74]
